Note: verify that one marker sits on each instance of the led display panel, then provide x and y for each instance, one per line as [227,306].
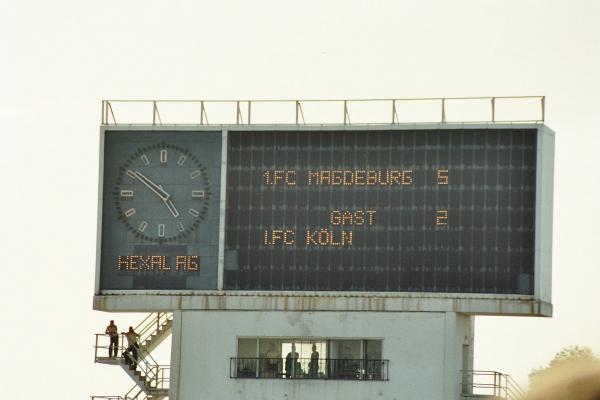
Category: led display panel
[440,210]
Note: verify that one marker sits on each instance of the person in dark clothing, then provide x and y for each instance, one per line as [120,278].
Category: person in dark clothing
[113,332]
[292,366]
[313,367]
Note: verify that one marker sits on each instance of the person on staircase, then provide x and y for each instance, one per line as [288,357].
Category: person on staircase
[113,332]
[131,353]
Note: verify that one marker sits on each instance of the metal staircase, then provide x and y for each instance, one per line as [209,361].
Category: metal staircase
[151,379]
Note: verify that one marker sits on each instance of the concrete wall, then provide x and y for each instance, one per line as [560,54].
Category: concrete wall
[425,352]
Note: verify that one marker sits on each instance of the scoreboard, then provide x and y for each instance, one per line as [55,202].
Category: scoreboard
[376,210]
[434,211]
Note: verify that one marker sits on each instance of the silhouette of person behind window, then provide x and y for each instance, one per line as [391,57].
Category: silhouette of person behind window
[292,366]
[313,367]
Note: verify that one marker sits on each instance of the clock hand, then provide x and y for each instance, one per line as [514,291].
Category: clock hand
[164,196]
[171,207]
[159,191]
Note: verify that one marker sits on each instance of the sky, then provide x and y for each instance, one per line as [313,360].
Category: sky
[59,59]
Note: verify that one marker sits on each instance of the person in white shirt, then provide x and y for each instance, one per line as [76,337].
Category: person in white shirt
[133,347]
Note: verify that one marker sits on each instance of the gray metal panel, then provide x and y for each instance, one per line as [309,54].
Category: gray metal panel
[544,213]
[99,212]
[222,209]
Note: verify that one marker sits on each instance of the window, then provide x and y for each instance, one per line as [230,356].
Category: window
[247,358]
[309,358]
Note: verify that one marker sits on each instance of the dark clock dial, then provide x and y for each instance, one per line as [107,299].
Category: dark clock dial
[162,192]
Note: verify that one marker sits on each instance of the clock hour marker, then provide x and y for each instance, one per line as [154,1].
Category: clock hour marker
[161,230]
[163,156]
[194,174]
[131,174]
[126,193]
[194,212]
[181,160]
[130,212]
[143,226]
[145,159]
[180,227]
[197,193]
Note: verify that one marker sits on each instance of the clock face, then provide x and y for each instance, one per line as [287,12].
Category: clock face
[162,192]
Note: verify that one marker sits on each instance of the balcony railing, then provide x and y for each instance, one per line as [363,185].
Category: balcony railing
[306,368]
[491,383]
[323,112]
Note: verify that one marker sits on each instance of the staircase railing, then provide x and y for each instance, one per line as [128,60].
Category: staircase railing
[135,393]
[151,324]
[491,383]
[157,376]
[148,327]
[107,398]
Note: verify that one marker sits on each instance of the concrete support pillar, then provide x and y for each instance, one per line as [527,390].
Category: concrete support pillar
[175,378]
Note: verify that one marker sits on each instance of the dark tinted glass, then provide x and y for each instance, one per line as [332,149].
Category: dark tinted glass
[423,210]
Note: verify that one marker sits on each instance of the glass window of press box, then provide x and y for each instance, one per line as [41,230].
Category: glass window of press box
[314,358]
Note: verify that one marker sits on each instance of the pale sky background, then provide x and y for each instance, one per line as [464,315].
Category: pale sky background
[59,59]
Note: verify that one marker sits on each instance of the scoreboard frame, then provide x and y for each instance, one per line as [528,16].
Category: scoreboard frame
[537,304]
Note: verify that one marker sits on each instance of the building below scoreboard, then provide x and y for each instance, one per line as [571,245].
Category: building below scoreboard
[320,355]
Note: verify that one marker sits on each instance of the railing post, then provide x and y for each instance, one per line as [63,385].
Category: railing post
[154,112]
[346,112]
[543,103]
[387,370]
[102,114]
[496,390]
[297,109]
[109,108]
[443,110]
[362,369]
[249,111]
[493,109]
[96,349]
[394,111]
[238,113]
[201,112]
